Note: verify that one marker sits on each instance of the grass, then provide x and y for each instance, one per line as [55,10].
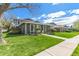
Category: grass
[25,45]
[66,34]
[76,52]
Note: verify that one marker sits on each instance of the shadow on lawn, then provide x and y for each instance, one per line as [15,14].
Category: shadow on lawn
[13,35]
[16,35]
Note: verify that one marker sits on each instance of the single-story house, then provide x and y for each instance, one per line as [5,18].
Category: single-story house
[60,28]
[29,26]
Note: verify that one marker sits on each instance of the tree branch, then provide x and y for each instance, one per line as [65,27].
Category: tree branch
[19,7]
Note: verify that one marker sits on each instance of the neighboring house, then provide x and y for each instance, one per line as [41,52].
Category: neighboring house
[53,25]
[60,28]
[28,26]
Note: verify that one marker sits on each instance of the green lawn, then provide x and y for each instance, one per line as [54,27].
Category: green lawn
[66,34]
[23,45]
[76,52]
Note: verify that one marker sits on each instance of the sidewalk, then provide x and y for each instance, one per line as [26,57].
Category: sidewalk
[55,36]
[64,48]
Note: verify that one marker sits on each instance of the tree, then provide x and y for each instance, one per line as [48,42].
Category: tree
[7,6]
[76,25]
[6,25]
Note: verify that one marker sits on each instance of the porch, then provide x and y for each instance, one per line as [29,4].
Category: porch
[35,28]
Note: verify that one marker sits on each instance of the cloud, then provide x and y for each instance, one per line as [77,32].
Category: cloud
[51,16]
[55,3]
[42,16]
[48,20]
[58,19]
[56,14]
[35,19]
[68,20]
[62,20]
[76,11]
[38,18]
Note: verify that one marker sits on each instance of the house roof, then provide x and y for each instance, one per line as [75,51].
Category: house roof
[25,21]
[53,23]
[29,21]
[33,23]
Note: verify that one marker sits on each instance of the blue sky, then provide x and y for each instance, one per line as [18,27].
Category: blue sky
[61,13]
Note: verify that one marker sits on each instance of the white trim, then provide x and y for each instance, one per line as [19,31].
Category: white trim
[30,28]
[33,27]
[25,29]
[43,28]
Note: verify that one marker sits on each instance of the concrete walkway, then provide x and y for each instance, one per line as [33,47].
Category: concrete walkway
[55,36]
[64,48]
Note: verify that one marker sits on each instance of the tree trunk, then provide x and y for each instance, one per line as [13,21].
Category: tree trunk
[4,7]
[2,41]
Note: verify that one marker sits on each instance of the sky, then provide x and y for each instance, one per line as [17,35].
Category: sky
[60,13]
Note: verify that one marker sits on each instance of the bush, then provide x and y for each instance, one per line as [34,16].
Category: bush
[15,30]
[53,30]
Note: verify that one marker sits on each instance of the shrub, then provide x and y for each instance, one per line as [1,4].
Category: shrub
[15,30]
